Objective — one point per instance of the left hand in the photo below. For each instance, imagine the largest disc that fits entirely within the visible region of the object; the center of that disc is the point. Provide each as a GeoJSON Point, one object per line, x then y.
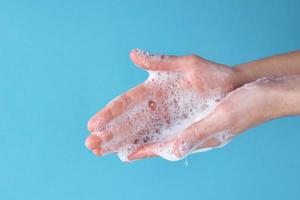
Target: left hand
{"type": "Point", "coordinates": [245, 107]}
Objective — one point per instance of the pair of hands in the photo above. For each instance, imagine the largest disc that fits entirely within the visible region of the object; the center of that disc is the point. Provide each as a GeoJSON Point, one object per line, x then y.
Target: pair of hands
{"type": "Point", "coordinates": [243, 106]}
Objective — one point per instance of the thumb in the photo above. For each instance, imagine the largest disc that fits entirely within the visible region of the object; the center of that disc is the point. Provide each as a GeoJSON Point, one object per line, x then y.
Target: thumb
{"type": "Point", "coordinates": [198, 134]}
{"type": "Point", "coordinates": [149, 61]}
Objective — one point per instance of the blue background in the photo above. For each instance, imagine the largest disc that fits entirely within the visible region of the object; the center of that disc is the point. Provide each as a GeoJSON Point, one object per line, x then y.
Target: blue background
{"type": "Point", "coordinates": [61, 61]}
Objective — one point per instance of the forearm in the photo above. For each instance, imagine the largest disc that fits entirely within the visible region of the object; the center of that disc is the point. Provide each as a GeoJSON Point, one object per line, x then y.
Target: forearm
{"type": "Point", "coordinates": [286, 92]}
{"type": "Point", "coordinates": [279, 65]}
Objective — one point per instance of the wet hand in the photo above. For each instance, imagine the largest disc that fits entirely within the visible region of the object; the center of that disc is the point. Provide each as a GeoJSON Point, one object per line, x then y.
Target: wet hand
{"type": "Point", "coordinates": [243, 108]}
{"type": "Point", "coordinates": [111, 131]}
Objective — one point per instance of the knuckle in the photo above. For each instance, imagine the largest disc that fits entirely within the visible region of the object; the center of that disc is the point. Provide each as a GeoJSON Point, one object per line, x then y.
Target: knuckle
{"type": "Point", "coordinates": [125, 100]}
{"type": "Point", "coordinates": [119, 103]}
{"type": "Point", "coordinates": [109, 112]}
{"type": "Point", "coordinates": [196, 133]}
{"type": "Point", "coordinates": [193, 58]}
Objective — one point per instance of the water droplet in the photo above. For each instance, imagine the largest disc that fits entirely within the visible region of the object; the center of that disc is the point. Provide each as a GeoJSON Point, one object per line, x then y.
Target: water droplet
{"type": "Point", "coordinates": [186, 163]}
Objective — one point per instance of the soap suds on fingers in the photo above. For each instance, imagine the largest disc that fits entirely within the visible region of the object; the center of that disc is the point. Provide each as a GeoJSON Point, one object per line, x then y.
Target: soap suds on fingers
{"type": "Point", "coordinates": [172, 105]}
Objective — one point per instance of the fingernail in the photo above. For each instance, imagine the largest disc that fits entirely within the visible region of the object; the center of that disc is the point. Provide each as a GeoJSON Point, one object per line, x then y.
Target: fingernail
{"type": "Point", "coordinates": [142, 53]}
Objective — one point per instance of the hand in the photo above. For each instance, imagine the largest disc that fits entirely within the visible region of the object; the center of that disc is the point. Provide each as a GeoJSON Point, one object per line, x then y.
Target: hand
{"type": "Point", "coordinates": [245, 107]}
{"type": "Point", "coordinates": [128, 119]}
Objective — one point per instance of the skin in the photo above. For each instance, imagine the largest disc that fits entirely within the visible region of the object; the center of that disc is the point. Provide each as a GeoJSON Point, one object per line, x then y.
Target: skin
{"type": "Point", "coordinates": [267, 99]}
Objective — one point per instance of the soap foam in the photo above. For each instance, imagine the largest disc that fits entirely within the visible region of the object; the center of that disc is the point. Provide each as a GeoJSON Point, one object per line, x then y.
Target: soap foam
{"type": "Point", "coordinates": [173, 104]}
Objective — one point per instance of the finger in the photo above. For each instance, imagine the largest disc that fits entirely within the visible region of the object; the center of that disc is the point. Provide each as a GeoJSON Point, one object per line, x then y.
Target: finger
{"type": "Point", "coordinates": [118, 106]}
{"type": "Point", "coordinates": [97, 152]}
{"type": "Point", "coordinates": [94, 143]}
{"type": "Point", "coordinates": [112, 143]}
{"type": "Point", "coordinates": [153, 62]}
{"type": "Point", "coordinates": [207, 145]}
{"type": "Point", "coordinates": [145, 151]}
{"type": "Point", "coordinates": [210, 142]}
{"type": "Point", "coordinates": [136, 123]}
{"type": "Point", "coordinates": [198, 133]}
{"type": "Point", "coordinates": [217, 140]}
{"type": "Point", "coordinates": [190, 138]}
{"type": "Point", "coordinates": [151, 150]}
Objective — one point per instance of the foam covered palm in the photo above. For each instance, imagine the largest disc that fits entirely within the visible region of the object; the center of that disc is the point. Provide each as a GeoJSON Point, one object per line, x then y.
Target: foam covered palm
{"type": "Point", "coordinates": [178, 92]}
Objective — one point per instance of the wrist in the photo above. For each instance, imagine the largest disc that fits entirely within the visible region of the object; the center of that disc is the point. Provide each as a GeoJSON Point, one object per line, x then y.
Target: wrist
{"type": "Point", "coordinates": [282, 95]}
{"type": "Point", "coordinates": [243, 75]}
{"type": "Point", "coordinates": [239, 77]}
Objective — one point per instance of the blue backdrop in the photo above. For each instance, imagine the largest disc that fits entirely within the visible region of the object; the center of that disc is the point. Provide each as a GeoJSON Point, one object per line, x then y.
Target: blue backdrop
{"type": "Point", "coordinates": [61, 61]}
